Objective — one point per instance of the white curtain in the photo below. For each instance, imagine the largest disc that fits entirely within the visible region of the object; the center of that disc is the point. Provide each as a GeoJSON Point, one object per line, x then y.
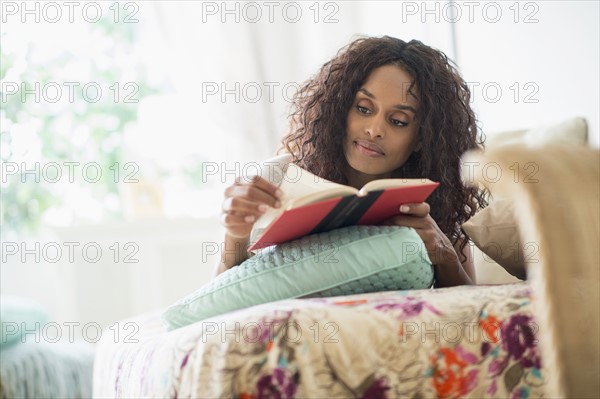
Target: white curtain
{"type": "Point", "coordinates": [189, 44]}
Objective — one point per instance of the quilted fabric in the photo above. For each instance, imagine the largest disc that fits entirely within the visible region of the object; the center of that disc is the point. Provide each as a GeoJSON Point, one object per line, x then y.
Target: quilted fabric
{"type": "Point", "coordinates": [350, 260]}
{"type": "Point", "coordinates": [459, 342]}
{"type": "Point", "coordinates": [387, 280]}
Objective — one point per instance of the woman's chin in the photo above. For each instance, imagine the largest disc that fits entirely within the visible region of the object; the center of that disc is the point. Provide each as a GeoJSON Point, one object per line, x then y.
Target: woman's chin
{"type": "Point", "coordinates": [367, 168]}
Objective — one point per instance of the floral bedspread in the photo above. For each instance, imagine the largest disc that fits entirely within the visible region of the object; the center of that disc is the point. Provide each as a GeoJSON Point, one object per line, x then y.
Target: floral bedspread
{"type": "Point", "coordinates": [478, 341]}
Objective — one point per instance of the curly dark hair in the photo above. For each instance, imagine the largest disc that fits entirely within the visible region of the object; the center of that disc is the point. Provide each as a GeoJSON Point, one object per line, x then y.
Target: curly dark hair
{"type": "Point", "coordinates": [447, 124]}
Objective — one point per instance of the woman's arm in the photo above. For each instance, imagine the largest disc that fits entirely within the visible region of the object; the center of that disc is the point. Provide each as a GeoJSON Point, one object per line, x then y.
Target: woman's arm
{"type": "Point", "coordinates": [468, 264]}
{"type": "Point", "coordinates": [232, 254]}
{"type": "Point", "coordinates": [449, 271]}
{"type": "Point", "coordinates": [453, 272]}
{"type": "Point", "coordinates": [245, 202]}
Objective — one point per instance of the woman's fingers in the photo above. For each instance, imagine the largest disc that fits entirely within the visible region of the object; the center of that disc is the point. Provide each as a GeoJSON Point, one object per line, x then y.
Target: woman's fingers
{"type": "Point", "coordinates": [439, 248]}
{"type": "Point", "coordinates": [255, 193]}
{"type": "Point", "coordinates": [269, 188]}
{"type": "Point", "coordinates": [245, 201]}
{"type": "Point", "coordinates": [408, 221]}
{"type": "Point", "coordinates": [420, 209]}
{"type": "Point", "coordinates": [238, 224]}
{"type": "Point", "coordinates": [242, 205]}
{"type": "Point", "coordinates": [229, 219]}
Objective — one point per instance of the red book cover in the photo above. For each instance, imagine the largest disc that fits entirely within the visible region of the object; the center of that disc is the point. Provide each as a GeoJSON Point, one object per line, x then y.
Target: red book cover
{"type": "Point", "coordinates": [388, 203]}
{"type": "Point", "coordinates": [370, 209]}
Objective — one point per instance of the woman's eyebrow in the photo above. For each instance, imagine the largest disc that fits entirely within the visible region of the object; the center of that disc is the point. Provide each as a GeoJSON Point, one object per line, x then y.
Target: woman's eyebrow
{"type": "Point", "coordinates": [402, 107]}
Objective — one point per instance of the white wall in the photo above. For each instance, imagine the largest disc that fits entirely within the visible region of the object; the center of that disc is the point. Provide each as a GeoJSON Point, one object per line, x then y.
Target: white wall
{"type": "Point", "coordinates": [142, 266]}
{"type": "Point", "coordinates": [558, 55]}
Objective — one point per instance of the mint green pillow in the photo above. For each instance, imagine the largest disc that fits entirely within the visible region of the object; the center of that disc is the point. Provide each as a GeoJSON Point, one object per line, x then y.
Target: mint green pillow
{"type": "Point", "coordinates": [350, 260]}
{"type": "Point", "coordinates": [19, 316]}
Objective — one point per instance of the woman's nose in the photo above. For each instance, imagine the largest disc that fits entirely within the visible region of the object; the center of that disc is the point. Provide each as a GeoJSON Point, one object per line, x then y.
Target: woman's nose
{"type": "Point", "coordinates": [376, 128]}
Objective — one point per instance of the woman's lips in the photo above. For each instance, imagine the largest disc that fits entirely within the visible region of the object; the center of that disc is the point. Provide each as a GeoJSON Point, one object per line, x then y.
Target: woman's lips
{"type": "Point", "coordinates": [368, 148]}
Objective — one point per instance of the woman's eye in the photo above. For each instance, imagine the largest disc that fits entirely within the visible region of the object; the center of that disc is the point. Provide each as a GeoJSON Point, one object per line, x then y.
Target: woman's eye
{"type": "Point", "coordinates": [363, 110]}
{"type": "Point", "coordinates": [398, 122]}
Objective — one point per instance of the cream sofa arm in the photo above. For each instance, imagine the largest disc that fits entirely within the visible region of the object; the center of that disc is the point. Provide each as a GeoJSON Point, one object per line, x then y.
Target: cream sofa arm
{"type": "Point", "coordinates": [556, 194]}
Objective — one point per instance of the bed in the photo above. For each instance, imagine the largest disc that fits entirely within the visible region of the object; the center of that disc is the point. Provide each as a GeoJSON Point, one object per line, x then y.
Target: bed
{"type": "Point", "coordinates": [433, 343]}
{"type": "Point", "coordinates": [508, 340]}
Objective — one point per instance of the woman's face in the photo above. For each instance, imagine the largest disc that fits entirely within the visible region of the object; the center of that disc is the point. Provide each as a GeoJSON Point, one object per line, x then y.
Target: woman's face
{"type": "Point", "coordinates": [381, 131]}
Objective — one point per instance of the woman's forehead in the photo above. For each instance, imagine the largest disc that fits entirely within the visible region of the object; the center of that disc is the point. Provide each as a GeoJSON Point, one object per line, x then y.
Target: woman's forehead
{"type": "Point", "coordinates": [390, 82]}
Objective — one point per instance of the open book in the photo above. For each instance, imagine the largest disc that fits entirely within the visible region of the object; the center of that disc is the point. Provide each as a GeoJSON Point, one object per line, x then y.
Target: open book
{"type": "Point", "coordinates": [312, 205]}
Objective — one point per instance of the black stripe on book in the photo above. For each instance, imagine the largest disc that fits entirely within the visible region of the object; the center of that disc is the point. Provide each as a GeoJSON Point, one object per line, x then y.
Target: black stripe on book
{"type": "Point", "coordinates": [347, 212]}
{"type": "Point", "coordinates": [336, 211]}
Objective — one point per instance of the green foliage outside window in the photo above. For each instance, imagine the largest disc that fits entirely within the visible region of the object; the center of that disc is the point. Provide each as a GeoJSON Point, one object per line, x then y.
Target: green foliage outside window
{"type": "Point", "coordinates": [79, 131]}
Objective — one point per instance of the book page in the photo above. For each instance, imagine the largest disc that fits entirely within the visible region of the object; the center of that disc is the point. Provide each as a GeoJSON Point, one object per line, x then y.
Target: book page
{"type": "Point", "coordinates": [300, 187]}
{"type": "Point", "coordinates": [383, 184]}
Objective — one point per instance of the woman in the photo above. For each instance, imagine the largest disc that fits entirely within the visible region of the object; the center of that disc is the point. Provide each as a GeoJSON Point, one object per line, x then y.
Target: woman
{"type": "Point", "coordinates": [380, 108]}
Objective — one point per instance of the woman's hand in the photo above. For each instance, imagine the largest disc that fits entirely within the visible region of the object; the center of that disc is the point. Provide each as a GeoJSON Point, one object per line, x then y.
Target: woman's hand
{"type": "Point", "coordinates": [438, 246]}
{"type": "Point", "coordinates": [245, 202]}
{"type": "Point", "coordinates": [449, 271]}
